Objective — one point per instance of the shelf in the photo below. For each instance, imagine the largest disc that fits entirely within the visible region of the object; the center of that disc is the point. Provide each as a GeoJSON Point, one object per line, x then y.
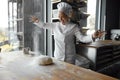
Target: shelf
{"type": "Point", "coordinates": [104, 57]}
{"type": "Point", "coordinates": [54, 14]}
{"type": "Point", "coordinates": [19, 19]}
{"type": "Point", "coordinates": [55, 19]}
{"type": "Point", "coordinates": [55, 1]}
{"type": "Point", "coordinates": [117, 47]}
{"type": "Point", "coordinates": [104, 65]}
{"type": "Point", "coordinates": [116, 52]}
{"type": "Point", "coordinates": [103, 61]}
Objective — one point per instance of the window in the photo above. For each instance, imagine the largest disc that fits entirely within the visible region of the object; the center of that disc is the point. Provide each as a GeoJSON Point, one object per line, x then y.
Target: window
{"type": "Point", "coordinates": [91, 9]}
{"type": "Point", "coordinates": [11, 25]}
{"type": "Point", "coordinates": [18, 31]}
{"type": "Point", "coordinates": [15, 15]}
{"type": "Point", "coordinates": [15, 22]}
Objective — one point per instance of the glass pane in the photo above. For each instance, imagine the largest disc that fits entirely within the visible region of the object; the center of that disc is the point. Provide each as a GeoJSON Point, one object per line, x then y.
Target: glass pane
{"type": "Point", "coordinates": [38, 33]}
{"type": "Point", "coordinates": [4, 43]}
{"type": "Point", "coordinates": [91, 9]}
{"type": "Point", "coordinates": [34, 37]}
{"type": "Point", "coordinates": [9, 38]}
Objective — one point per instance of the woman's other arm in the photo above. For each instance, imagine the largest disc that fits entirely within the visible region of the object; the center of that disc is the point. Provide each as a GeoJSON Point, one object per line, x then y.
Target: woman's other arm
{"type": "Point", "coordinates": [41, 24]}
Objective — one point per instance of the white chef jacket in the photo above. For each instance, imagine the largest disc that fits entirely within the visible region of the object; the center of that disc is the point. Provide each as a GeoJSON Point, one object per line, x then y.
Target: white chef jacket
{"type": "Point", "coordinates": [64, 39]}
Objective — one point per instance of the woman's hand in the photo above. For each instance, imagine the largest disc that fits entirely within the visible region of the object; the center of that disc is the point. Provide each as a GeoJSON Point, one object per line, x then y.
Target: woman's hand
{"type": "Point", "coordinates": [34, 19]}
{"type": "Point", "coordinates": [98, 34]}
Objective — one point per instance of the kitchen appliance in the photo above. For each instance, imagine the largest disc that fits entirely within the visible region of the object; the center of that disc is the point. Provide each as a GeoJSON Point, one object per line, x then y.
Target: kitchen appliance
{"type": "Point", "coordinates": [115, 34]}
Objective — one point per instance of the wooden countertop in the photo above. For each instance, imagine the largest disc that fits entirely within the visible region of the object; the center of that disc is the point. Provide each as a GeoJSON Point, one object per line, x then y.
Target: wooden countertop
{"type": "Point", "coordinates": [101, 43]}
{"type": "Point", "coordinates": [17, 66]}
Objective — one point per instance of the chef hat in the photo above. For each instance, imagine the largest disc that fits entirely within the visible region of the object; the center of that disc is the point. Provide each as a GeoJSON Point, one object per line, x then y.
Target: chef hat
{"type": "Point", "coordinates": [64, 7]}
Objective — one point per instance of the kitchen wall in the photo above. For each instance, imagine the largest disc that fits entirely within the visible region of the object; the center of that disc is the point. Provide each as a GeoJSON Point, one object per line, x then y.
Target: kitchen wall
{"type": "Point", "coordinates": [112, 16]}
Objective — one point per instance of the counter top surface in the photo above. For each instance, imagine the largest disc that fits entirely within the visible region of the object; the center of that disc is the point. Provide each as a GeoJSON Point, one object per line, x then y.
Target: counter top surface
{"type": "Point", "coordinates": [101, 43]}
{"type": "Point", "coordinates": [17, 66]}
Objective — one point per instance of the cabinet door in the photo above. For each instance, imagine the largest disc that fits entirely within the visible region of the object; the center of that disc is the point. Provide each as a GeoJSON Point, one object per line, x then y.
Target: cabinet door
{"type": "Point", "coordinates": [116, 53]}
{"type": "Point", "coordinates": [104, 56]}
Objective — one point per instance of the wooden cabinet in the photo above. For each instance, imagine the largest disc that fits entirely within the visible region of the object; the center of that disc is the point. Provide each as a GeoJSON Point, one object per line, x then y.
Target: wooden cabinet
{"type": "Point", "coordinates": [100, 53]}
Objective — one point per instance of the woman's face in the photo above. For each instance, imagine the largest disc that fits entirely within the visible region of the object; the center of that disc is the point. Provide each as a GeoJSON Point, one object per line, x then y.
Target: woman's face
{"type": "Point", "coordinates": [63, 17]}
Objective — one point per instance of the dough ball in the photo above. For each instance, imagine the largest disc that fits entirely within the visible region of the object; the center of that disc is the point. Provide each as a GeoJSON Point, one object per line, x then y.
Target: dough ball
{"type": "Point", "coordinates": [45, 60]}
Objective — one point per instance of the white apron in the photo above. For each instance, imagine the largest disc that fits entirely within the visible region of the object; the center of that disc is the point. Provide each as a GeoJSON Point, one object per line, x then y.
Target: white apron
{"type": "Point", "coordinates": [64, 39]}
